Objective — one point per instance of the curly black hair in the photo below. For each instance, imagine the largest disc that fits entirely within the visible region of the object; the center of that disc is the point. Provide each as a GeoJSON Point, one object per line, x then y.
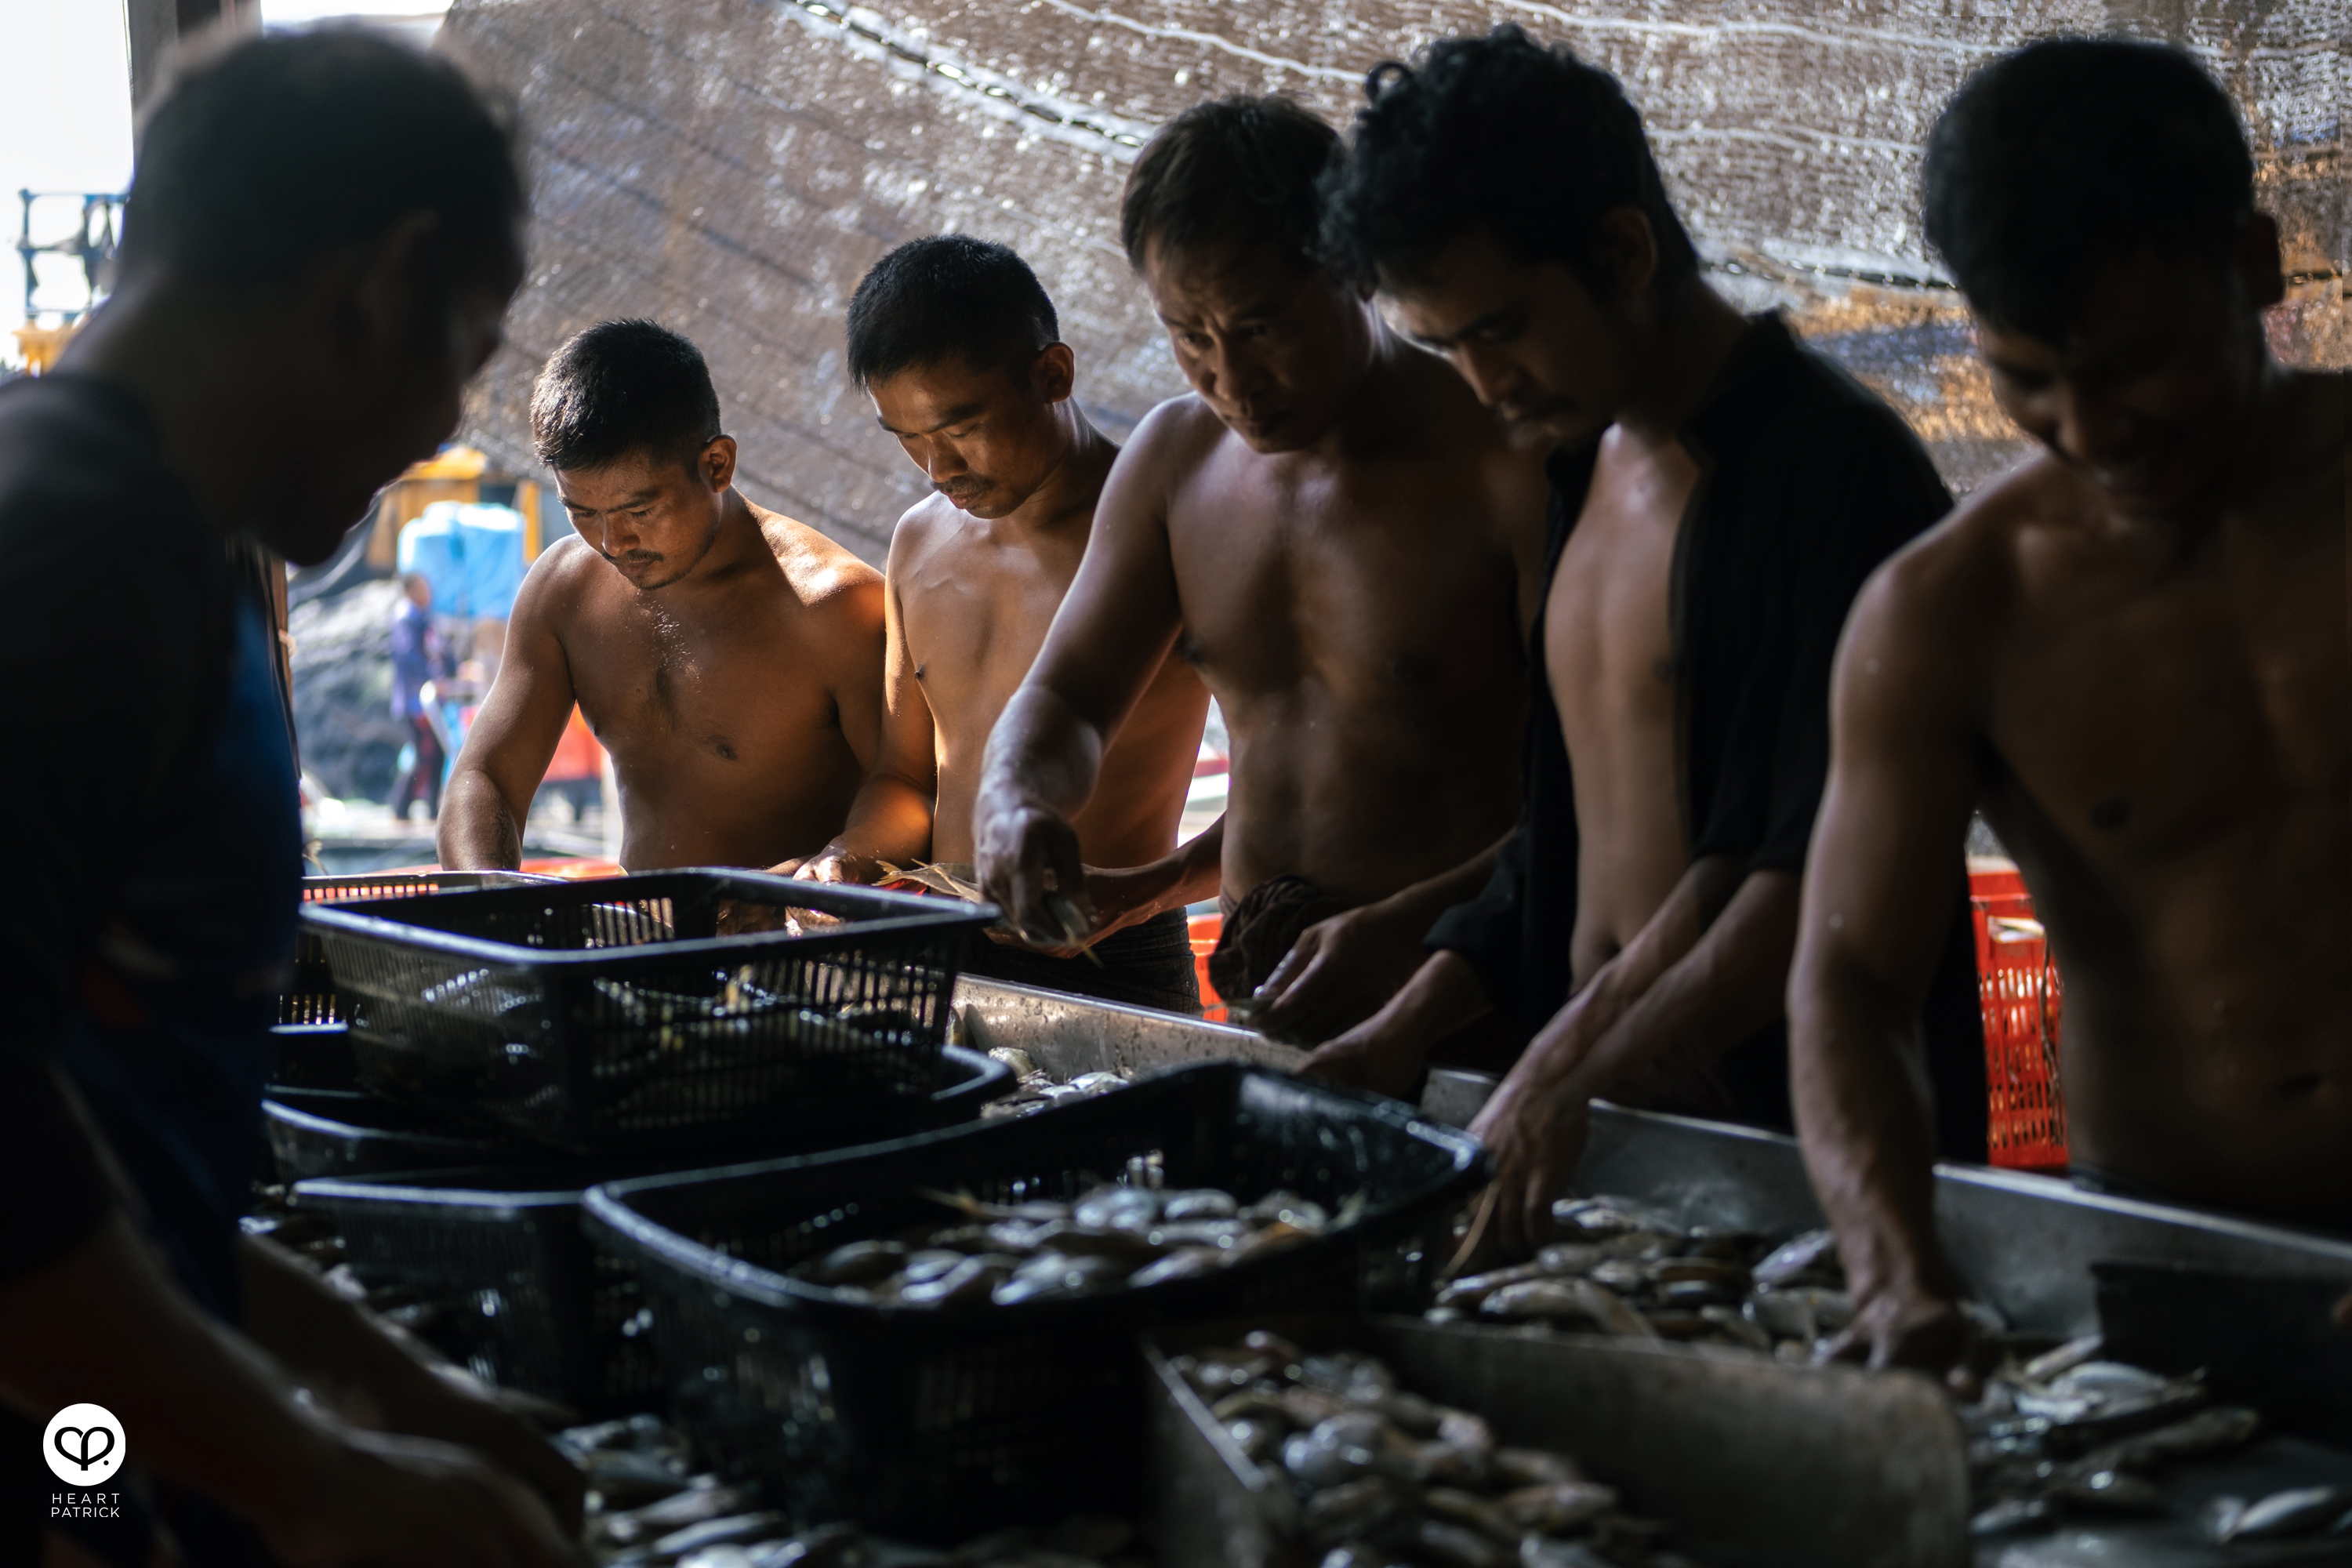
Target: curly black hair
{"type": "Point", "coordinates": [2054, 162]}
{"type": "Point", "coordinates": [1500, 134]}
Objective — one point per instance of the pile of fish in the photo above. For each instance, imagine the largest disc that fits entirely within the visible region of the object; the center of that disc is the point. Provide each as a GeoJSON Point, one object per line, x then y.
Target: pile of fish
{"type": "Point", "coordinates": [1386, 1477]}
{"type": "Point", "coordinates": [1627, 1267]}
{"type": "Point", "coordinates": [2067, 1435]}
{"type": "Point", "coordinates": [1114, 1238]}
{"type": "Point", "coordinates": [1036, 1090]}
{"type": "Point", "coordinates": [645, 1510]}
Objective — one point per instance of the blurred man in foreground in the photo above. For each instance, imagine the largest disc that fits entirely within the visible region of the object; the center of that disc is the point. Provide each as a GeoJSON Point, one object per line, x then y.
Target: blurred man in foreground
{"type": "Point", "coordinates": [2131, 655]}
{"type": "Point", "coordinates": [959, 347]}
{"type": "Point", "coordinates": [727, 658]}
{"type": "Point", "coordinates": [319, 248]}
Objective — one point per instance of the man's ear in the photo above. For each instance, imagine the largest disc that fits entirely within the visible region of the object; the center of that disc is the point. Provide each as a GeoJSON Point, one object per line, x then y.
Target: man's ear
{"type": "Point", "coordinates": [716, 462]}
{"type": "Point", "coordinates": [1053, 373]}
{"type": "Point", "coordinates": [1630, 247]}
{"type": "Point", "coordinates": [2260, 272]}
{"type": "Point", "coordinates": [386, 283]}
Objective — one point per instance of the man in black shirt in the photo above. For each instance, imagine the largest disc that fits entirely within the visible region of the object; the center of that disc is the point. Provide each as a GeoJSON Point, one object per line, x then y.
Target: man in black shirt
{"type": "Point", "coordinates": [1718, 495]}
{"type": "Point", "coordinates": [318, 251]}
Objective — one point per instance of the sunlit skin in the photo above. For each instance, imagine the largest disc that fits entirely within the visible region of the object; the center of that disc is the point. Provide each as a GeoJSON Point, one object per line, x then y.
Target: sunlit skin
{"type": "Point", "coordinates": [976, 573]}
{"type": "Point", "coordinates": [2131, 652]}
{"type": "Point", "coordinates": [728, 659]}
{"type": "Point", "coordinates": [1672, 961]}
{"type": "Point", "coordinates": [1338, 539]}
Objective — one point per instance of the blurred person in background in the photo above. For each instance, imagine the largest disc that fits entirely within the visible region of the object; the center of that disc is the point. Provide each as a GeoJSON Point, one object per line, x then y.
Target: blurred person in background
{"type": "Point", "coordinates": [320, 245]}
{"type": "Point", "coordinates": [419, 658]}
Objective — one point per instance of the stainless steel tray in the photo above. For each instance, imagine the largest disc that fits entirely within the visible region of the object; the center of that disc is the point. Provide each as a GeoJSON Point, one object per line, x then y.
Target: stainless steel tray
{"type": "Point", "coordinates": [1752, 1464]}
{"type": "Point", "coordinates": [2023, 1243]}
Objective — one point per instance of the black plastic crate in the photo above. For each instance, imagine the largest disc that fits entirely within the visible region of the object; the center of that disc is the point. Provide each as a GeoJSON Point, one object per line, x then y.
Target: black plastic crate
{"type": "Point", "coordinates": [521, 1295]}
{"type": "Point", "coordinates": [611, 1015]}
{"type": "Point", "coordinates": [516, 1291]}
{"type": "Point", "coordinates": [309, 994]}
{"type": "Point", "coordinates": [937, 1424]}
{"type": "Point", "coordinates": [313, 1056]}
{"type": "Point", "coordinates": [345, 1132]}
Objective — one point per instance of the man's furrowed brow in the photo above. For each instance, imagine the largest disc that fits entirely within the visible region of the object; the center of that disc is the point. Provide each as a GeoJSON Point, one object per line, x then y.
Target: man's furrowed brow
{"type": "Point", "coordinates": [1493, 322]}
{"type": "Point", "coordinates": [956, 415]}
{"type": "Point", "coordinates": [634, 498]}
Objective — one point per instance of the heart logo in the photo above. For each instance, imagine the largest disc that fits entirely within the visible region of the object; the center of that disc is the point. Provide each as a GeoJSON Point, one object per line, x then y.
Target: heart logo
{"type": "Point", "coordinates": [84, 1458]}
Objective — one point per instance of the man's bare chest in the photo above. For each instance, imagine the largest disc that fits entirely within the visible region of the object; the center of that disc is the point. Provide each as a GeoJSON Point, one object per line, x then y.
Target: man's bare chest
{"type": "Point", "coordinates": [744, 689]}
{"type": "Point", "coordinates": [2148, 726]}
{"type": "Point", "coordinates": [1357, 600]}
{"type": "Point", "coordinates": [973, 626]}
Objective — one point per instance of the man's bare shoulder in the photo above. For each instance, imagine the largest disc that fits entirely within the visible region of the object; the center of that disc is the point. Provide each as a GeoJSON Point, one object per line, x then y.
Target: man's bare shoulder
{"type": "Point", "coordinates": [1176, 435]}
{"type": "Point", "coordinates": [563, 580]}
{"type": "Point", "coordinates": [1958, 578]}
{"type": "Point", "coordinates": [820, 570]}
{"type": "Point", "coordinates": [928, 531]}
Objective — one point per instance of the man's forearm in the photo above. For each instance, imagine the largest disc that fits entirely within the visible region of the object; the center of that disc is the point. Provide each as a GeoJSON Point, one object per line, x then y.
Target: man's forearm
{"type": "Point", "coordinates": [889, 822]}
{"type": "Point", "coordinates": [319, 1337]}
{"type": "Point", "coordinates": [1689, 988]}
{"type": "Point", "coordinates": [105, 1325]}
{"type": "Point", "coordinates": [1042, 752]}
{"type": "Point", "coordinates": [1432, 896]}
{"type": "Point", "coordinates": [480, 831]}
{"type": "Point", "coordinates": [1864, 1123]}
{"type": "Point", "coordinates": [1196, 871]}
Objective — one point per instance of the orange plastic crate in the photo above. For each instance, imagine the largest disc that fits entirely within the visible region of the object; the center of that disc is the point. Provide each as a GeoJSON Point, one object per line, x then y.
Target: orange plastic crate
{"type": "Point", "coordinates": [2022, 998]}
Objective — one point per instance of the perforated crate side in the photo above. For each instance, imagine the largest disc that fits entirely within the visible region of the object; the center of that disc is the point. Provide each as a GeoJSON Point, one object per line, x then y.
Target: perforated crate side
{"type": "Point", "coordinates": [933, 1425]}
{"type": "Point", "coordinates": [2023, 1004]}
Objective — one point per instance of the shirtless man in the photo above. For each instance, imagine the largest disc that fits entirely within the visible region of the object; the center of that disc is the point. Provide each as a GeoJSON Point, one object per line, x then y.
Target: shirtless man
{"type": "Point", "coordinates": [2131, 654]}
{"type": "Point", "coordinates": [1330, 531]}
{"type": "Point", "coordinates": [1505, 197]}
{"type": "Point", "coordinates": [957, 344]}
{"type": "Point", "coordinates": [728, 659]}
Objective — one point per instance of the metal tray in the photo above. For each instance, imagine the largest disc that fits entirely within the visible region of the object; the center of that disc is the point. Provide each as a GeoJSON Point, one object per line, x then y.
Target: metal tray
{"type": "Point", "coordinates": [1750, 1463]}
{"type": "Point", "coordinates": [2023, 1243]}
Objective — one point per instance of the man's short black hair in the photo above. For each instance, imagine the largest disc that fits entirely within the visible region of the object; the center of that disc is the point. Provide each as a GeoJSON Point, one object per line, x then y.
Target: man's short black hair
{"type": "Point", "coordinates": [622, 387]}
{"type": "Point", "coordinates": [2054, 162]}
{"type": "Point", "coordinates": [1233, 169]}
{"type": "Point", "coordinates": [948, 295]}
{"type": "Point", "coordinates": [271, 150]}
{"type": "Point", "coordinates": [1503, 134]}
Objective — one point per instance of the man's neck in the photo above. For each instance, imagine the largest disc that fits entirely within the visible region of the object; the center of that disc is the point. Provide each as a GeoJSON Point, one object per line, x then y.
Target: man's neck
{"type": "Point", "coordinates": [1689, 339]}
{"type": "Point", "coordinates": [184, 355]}
{"type": "Point", "coordinates": [1066, 497]}
{"type": "Point", "coordinates": [1373, 403]}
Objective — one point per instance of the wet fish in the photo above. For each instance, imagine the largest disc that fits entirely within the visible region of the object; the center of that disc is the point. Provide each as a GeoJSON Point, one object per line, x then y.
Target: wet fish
{"type": "Point", "coordinates": [2211, 1431]}
{"type": "Point", "coordinates": [736, 1528]}
{"type": "Point", "coordinates": [972, 1280]}
{"type": "Point", "coordinates": [2298, 1511]}
{"type": "Point", "coordinates": [1555, 1509]}
{"type": "Point", "coordinates": [1812, 1252]}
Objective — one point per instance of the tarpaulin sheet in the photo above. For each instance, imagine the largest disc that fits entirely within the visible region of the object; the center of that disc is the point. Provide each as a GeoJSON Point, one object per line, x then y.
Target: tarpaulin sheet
{"type": "Point", "coordinates": [731, 167]}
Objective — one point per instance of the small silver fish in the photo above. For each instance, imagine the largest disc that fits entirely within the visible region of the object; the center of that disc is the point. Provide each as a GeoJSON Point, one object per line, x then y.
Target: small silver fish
{"type": "Point", "coordinates": [2298, 1511]}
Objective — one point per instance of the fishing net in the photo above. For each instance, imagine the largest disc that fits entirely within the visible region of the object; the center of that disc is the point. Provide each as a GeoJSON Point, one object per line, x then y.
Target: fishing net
{"type": "Point", "coordinates": [734, 166]}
